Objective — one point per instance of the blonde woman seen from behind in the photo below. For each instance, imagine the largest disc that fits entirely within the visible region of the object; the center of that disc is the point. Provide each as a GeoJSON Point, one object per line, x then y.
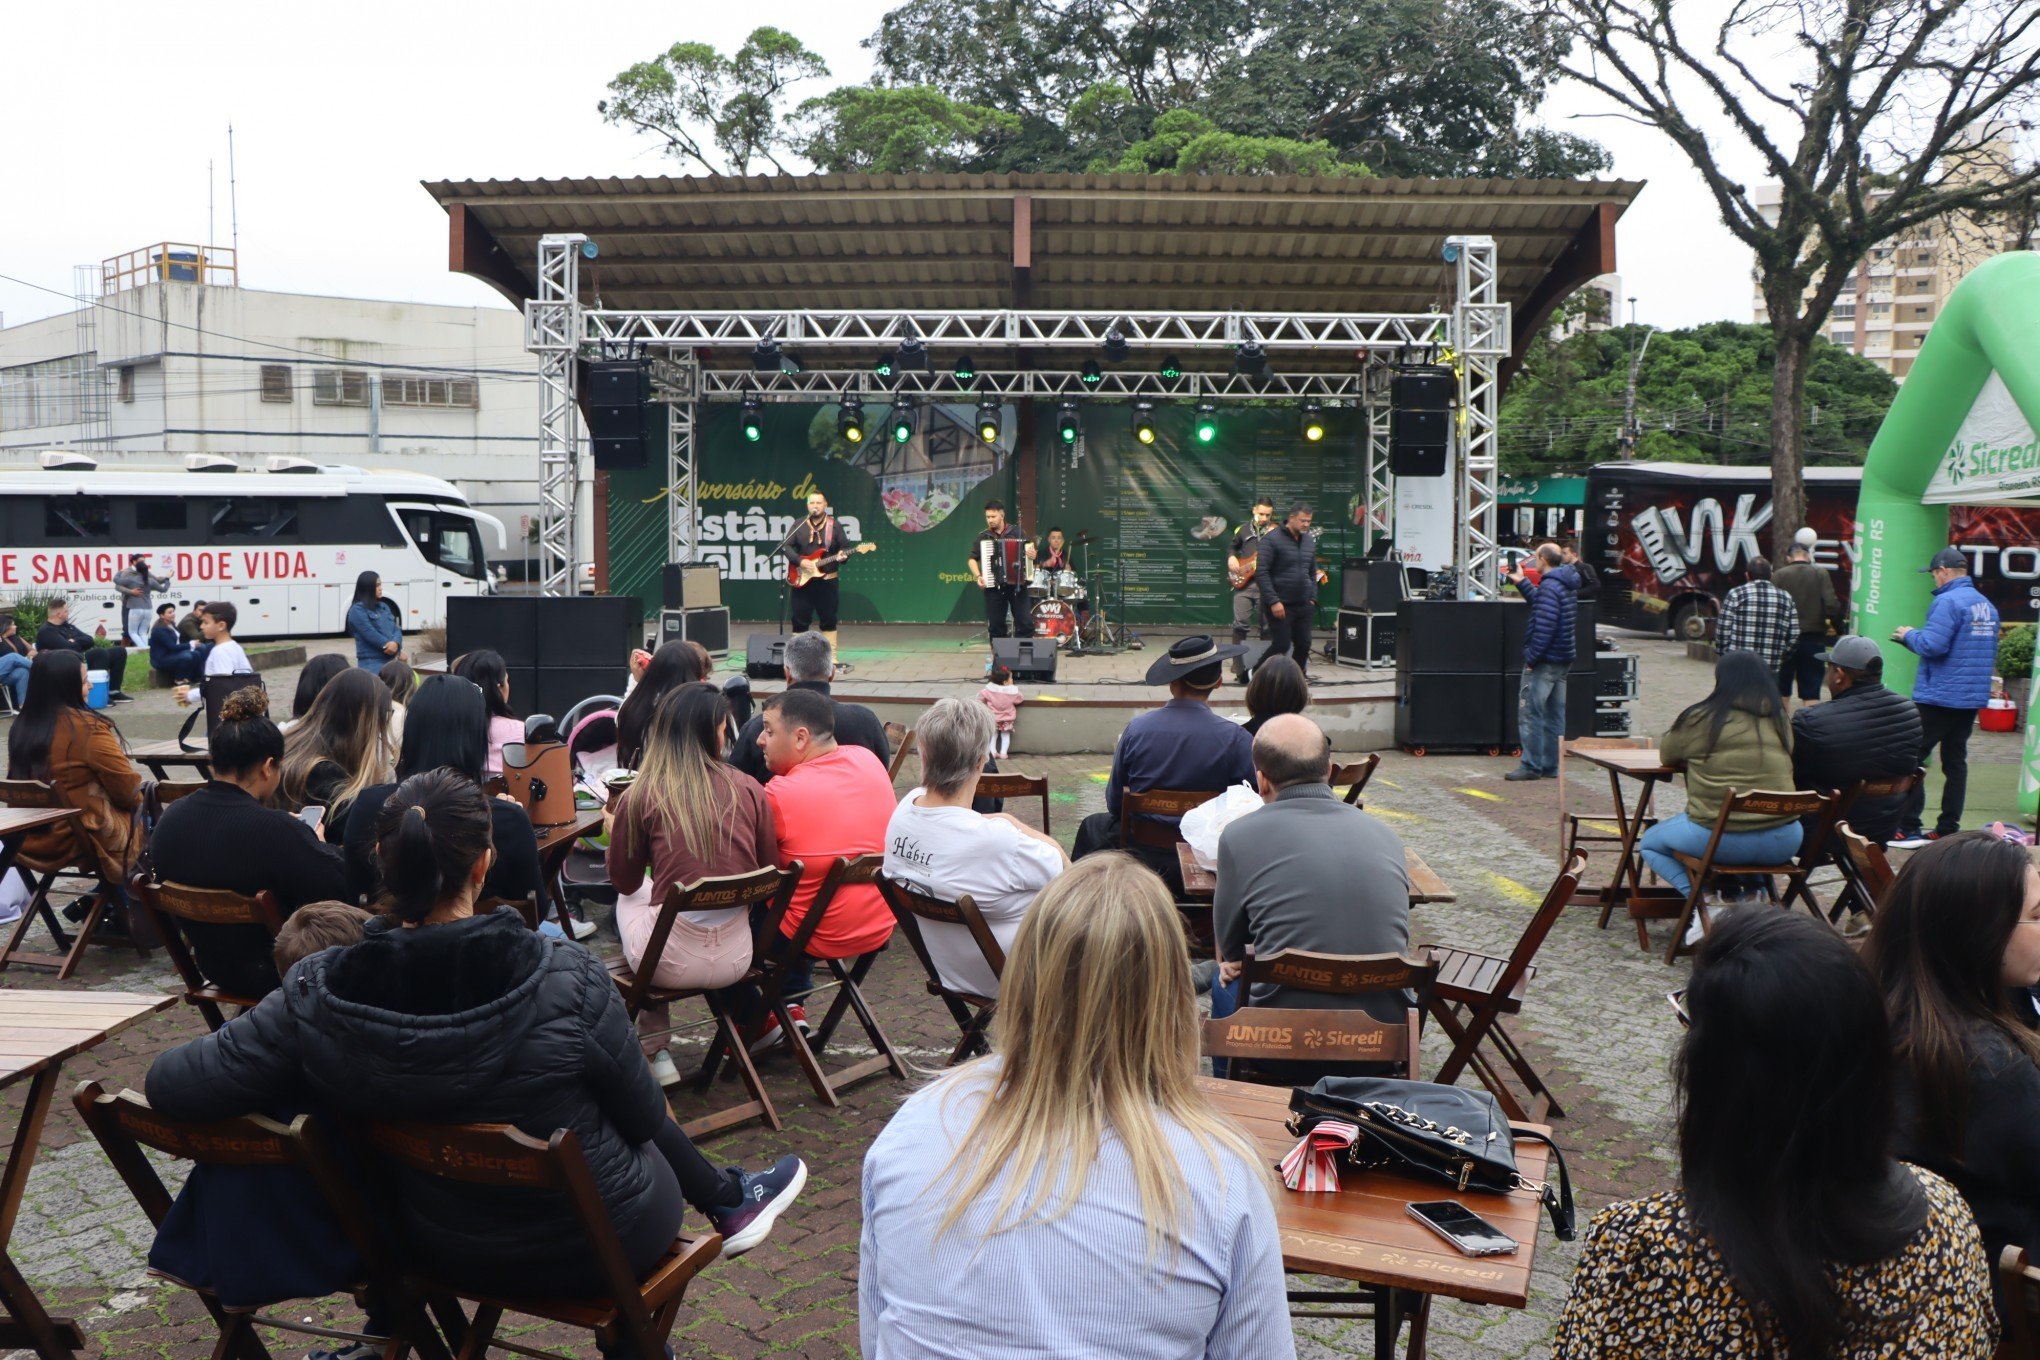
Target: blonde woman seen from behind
{"type": "Point", "coordinates": [1080, 1164]}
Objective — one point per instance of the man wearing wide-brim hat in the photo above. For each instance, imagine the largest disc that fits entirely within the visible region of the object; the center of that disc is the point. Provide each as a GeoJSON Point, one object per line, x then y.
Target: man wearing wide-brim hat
{"type": "Point", "coordinates": [1183, 745]}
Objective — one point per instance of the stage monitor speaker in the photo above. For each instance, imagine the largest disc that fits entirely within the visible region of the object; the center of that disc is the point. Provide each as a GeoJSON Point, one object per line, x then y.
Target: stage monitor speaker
{"type": "Point", "coordinates": [1386, 587]}
{"type": "Point", "coordinates": [1353, 582]}
{"type": "Point", "coordinates": [765, 656]}
{"type": "Point", "coordinates": [710, 627]}
{"type": "Point", "coordinates": [1364, 639]}
{"type": "Point", "coordinates": [693, 585]}
{"type": "Point", "coordinates": [587, 630]}
{"type": "Point", "coordinates": [506, 623]}
{"type": "Point", "coordinates": [1027, 658]}
{"type": "Point", "coordinates": [618, 393]}
{"type": "Point", "coordinates": [1580, 705]}
{"type": "Point", "coordinates": [1449, 636]}
{"type": "Point", "coordinates": [1420, 420]}
{"type": "Point", "coordinates": [1461, 711]}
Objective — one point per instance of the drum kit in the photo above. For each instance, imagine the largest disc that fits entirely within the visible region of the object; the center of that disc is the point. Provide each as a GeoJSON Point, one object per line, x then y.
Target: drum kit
{"type": "Point", "coordinates": [1056, 595]}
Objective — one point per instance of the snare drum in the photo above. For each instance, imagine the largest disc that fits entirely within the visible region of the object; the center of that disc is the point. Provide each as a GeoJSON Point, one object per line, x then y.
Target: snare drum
{"type": "Point", "coordinates": [1062, 585]}
{"type": "Point", "coordinates": [1038, 583]}
{"type": "Point", "coordinates": [1053, 618]}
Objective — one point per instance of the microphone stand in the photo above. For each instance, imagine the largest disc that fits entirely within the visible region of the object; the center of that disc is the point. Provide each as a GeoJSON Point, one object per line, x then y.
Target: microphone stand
{"type": "Point", "coordinates": [786, 582]}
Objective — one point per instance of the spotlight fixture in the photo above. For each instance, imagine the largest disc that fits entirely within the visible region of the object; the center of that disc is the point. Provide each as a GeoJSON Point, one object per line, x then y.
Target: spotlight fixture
{"type": "Point", "coordinates": [912, 355]}
{"type": "Point", "coordinates": [589, 250]}
{"type": "Point", "coordinates": [1206, 428]}
{"type": "Point", "coordinates": [850, 420]}
{"type": "Point", "coordinates": [884, 368]}
{"type": "Point", "coordinates": [1250, 360]}
{"type": "Point", "coordinates": [1144, 421]}
{"type": "Point", "coordinates": [1172, 369]}
{"type": "Point", "coordinates": [902, 419]}
{"type": "Point", "coordinates": [752, 412]}
{"type": "Point", "coordinates": [1115, 348]}
{"type": "Point", "coordinates": [1068, 424]}
{"type": "Point", "coordinates": [991, 419]}
{"type": "Point", "coordinates": [1091, 375]}
{"type": "Point", "coordinates": [1311, 422]}
{"type": "Point", "coordinates": [966, 369]}
{"type": "Point", "coordinates": [765, 355]}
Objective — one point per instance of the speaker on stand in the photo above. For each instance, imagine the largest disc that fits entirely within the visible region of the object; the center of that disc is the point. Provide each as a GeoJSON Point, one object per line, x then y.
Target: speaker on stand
{"type": "Point", "coordinates": [619, 395]}
{"type": "Point", "coordinates": [1420, 419]}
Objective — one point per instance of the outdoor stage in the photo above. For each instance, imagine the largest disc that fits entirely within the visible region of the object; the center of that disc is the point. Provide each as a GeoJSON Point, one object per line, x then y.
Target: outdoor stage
{"type": "Point", "coordinates": [898, 669]}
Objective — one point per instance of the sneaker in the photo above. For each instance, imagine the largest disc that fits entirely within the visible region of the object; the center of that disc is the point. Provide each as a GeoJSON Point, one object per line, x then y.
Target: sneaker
{"type": "Point", "coordinates": [118, 697]}
{"type": "Point", "coordinates": [1908, 840]}
{"type": "Point", "coordinates": [1522, 775]}
{"type": "Point", "coordinates": [663, 1070]}
{"type": "Point", "coordinates": [799, 1014]}
{"type": "Point", "coordinates": [767, 1038]}
{"type": "Point", "coordinates": [1696, 929]}
{"type": "Point", "coordinates": [583, 927]}
{"type": "Point", "coordinates": [1856, 926]}
{"type": "Point", "coordinates": [766, 1195]}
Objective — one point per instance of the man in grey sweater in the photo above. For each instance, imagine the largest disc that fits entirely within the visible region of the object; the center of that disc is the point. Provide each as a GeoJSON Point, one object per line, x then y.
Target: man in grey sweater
{"type": "Point", "coordinates": [1307, 871]}
{"type": "Point", "coordinates": [138, 606]}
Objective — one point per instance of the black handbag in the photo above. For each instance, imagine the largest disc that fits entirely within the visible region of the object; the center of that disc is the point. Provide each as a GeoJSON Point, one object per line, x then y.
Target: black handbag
{"type": "Point", "coordinates": [1442, 1133]}
{"type": "Point", "coordinates": [214, 691]}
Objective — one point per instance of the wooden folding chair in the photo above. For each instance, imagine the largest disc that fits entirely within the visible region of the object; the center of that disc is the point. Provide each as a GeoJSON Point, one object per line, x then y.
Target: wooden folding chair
{"type": "Point", "coordinates": [900, 749]}
{"type": "Point", "coordinates": [1137, 807]}
{"type": "Point", "coordinates": [629, 1310]}
{"type": "Point", "coordinates": [1474, 991]}
{"type": "Point", "coordinates": [1704, 867]}
{"type": "Point", "coordinates": [172, 904]}
{"type": "Point", "coordinates": [2019, 1283]}
{"type": "Point", "coordinates": [1254, 1034]}
{"type": "Point", "coordinates": [124, 1125]}
{"type": "Point", "coordinates": [531, 908]}
{"type": "Point", "coordinates": [972, 1013]}
{"type": "Point", "coordinates": [1865, 869]}
{"type": "Point", "coordinates": [769, 889]}
{"type": "Point", "coordinates": [1005, 785]}
{"type": "Point", "coordinates": [1352, 977]}
{"type": "Point", "coordinates": [1355, 776]}
{"type": "Point", "coordinates": [860, 871]}
{"type": "Point", "coordinates": [1576, 828]}
{"type": "Point", "coordinates": [1830, 851]}
{"type": "Point", "coordinates": [169, 791]}
{"type": "Point", "coordinates": [41, 876]}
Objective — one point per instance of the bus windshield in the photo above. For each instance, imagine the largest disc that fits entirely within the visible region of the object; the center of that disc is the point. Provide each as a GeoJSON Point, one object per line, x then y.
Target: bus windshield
{"type": "Point", "coordinates": [449, 541]}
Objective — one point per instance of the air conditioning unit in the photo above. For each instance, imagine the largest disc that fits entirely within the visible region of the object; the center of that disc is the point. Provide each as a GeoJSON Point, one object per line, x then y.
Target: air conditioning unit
{"type": "Point", "coordinates": [209, 462]}
{"type": "Point", "coordinates": [67, 460]}
{"type": "Point", "coordinates": [283, 462]}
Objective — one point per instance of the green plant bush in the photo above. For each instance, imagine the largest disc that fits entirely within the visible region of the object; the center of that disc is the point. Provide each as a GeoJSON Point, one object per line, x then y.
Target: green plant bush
{"type": "Point", "coordinates": [30, 610]}
{"type": "Point", "coordinates": [2015, 652]}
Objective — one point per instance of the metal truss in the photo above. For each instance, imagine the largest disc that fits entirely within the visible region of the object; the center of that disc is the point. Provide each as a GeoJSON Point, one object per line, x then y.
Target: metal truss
{"type": "Point", "coordinates": [1480, 341]}
{"type": "Point", "coordinates": [676, 385]}
{"type": "Point", "coordinates": [817, 330]}
{"type": "Point", "coordinates": [552, 328]}
{"type": "Point", "coordinates": [1378, 486]}
{"type": "Point", "coordinates": [734, 384]}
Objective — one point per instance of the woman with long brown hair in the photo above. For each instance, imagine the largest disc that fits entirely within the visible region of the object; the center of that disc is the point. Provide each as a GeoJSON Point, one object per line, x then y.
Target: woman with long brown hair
{"type": "Point", "coordinates": [340, 747]}
{"type": "Point", "coordinates": [1080, 1162]}
{"type": "Point", "coordinates": [1956, 948]}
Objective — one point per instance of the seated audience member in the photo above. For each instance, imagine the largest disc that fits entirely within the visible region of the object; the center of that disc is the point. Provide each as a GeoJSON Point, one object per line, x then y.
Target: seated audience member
{"type": "Point", "coordinates": [169, 653]}
{"type": "Point", "coordinates": [1787, 1235]}
{"type": "Point", "coordinates": [449, 727]}
{"type": "Point", "coordinates": [673, 665]}
{"type": "Point", "coordinates": [15, 655]}
{"type": "Point", "coordinates": [936, 845]}
{"type": "Point", "coordinates": [188, 627]}
{"type": "Point", "coordinates": [373, 624]}
{"type": "Point", "coordinates": [1864, 731]}
{"type": "Point", "coordinates": [810, 666]}
{"type": "Point", "coordinates": [1081, 1162]}
{"type": "Point", "coordinates": [402, 682]}
{"type": "Point", "coordinates": [1276, 686]}
{"type": "Point", "coordinates": [1181, 745]}
{"type": "Point", "coordinates": [317, 674]}
{"type": "Point", "coordinates": [225, 835]}
{"type": "Point", "coordinates": [1956, 947]}
{"type": "Point", "coordinates": [828, 801]}
{"type": "Point", "coordinates": [58, 740]}
{"type": "Point", "coordinates": [444, 1017]}
{"type": "Point", "coordinates": [1734, 740]}
{"type": "Point", "coordinates": [340, 748]}
{"type": "Point", "coordinates": [1307, 871]}
{"type": "Point", "coordinates": [688, 815]}
{"type": "Point", "coordinates": [489, 671]}
{"type": "Point", "coordinates": [59, 634]}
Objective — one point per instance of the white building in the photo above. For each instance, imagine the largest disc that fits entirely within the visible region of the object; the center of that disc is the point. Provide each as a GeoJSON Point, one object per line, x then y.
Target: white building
{"type": "Point", "coordinates": [175, 358]}
{"type": "Point", "coordinates": [1600, 306]}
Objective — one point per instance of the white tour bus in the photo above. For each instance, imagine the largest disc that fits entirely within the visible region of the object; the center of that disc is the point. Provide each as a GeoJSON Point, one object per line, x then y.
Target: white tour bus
{"type": "Point", "coordinates": [283, 545]}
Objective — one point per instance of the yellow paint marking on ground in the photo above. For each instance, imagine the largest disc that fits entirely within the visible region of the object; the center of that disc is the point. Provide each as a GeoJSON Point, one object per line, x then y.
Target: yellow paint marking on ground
{"type": "Point", "coordinates": [1385, 783]}
{"type": "Point", "coordinates": [1509, 889]}
{"type": "Point", "coordinates": [1482, 793]}
{"type": "Point", "coordinates": [1393, 814]}
{"type": "Point", "coordinates": [1101, 776]}
{"type": "Point", "coordinates": [1608, 827]}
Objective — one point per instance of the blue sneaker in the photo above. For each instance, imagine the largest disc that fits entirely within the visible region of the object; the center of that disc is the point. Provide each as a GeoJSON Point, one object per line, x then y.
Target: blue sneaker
{"type": "Point", "coordinates": [766, 1195]}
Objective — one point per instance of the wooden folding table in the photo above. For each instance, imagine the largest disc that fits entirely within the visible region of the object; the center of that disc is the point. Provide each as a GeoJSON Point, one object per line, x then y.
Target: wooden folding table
{"type": "Point", "coordinates": [1648, 769]}
{"type": "Point", "coordinates": [158, 756]}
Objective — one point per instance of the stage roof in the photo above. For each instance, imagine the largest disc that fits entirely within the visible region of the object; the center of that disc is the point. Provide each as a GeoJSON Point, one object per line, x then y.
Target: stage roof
{"type": "Point", "coordinates": [1049, 242]}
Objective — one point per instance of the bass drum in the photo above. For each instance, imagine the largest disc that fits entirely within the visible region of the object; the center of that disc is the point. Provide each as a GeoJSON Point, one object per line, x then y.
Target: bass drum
{"type": "Point", "coordinates": [1053, 618]}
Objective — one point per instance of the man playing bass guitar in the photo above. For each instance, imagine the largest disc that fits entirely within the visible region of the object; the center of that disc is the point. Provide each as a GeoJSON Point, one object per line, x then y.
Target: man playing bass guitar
{"type": "Point", "coordinates": [1241, 563]}
{"type": "Point", "coordinates": [814, 550]}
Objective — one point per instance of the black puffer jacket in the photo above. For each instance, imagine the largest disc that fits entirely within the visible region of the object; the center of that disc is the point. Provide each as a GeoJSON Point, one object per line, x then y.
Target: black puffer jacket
{"type": "Point", "coordinates": [476, 1021]}
{"type": "Point", "coordinates": [1288, 567]}
{"type": "Point", "coordinates": [1866, 732]}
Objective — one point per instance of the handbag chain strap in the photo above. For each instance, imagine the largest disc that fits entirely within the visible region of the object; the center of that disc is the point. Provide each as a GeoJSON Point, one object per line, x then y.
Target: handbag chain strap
{"type": "Point", "coordinates": [1396, 1114]}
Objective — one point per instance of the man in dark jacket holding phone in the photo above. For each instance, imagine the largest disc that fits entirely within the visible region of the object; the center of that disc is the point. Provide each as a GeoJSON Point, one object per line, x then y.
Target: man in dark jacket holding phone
{"type": "Point", "coordinates": [1548, 649]}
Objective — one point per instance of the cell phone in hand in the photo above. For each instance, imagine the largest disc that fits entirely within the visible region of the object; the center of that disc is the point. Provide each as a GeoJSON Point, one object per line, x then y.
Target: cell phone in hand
{"type": "Point", "coordinates": [1462, 1227]}
{"type": "Point", "coordinates": [312, 816]}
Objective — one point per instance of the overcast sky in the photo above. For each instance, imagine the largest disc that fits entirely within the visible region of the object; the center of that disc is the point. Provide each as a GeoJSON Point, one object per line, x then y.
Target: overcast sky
{"type": "Point", "coordinates": [112, 113]}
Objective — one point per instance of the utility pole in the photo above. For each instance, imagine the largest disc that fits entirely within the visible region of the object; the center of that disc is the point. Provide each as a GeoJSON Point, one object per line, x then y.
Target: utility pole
{"type": "Point", "coordinates": [1626, 444]}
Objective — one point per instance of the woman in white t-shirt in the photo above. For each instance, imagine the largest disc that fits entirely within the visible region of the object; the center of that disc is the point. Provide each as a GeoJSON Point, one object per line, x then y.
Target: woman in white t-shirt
{"type": "Point", "coordinates": [936, 845]}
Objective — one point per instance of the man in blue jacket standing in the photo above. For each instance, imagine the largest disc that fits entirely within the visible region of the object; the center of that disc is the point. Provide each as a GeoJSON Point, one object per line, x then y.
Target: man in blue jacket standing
{"type": "Point", "coordinates": [1957, 651]}
{"type": "Point", "coordinates": [1548, 649]}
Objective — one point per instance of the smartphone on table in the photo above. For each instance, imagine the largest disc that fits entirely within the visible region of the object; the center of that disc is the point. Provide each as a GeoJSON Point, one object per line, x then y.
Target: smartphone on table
{"type": "Point", "coordinates": [1462, 1227]}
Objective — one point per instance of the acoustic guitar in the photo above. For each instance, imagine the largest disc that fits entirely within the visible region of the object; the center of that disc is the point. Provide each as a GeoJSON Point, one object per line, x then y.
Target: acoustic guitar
{"type": "Point", "coordinates": [815, 564]}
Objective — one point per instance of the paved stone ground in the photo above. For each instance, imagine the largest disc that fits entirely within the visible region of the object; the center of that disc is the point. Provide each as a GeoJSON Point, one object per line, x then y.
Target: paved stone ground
{"type": "Point", "coordinates": [1596, 1024]}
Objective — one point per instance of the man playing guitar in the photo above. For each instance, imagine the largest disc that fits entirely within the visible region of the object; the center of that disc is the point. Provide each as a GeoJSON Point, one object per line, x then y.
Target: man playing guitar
{"type": "Point", "coordinates": [1241, 563]}
{"type": "Point", "coordinates": [1001, 572]}
{"type": "Point", "coordinates": [813, 550]}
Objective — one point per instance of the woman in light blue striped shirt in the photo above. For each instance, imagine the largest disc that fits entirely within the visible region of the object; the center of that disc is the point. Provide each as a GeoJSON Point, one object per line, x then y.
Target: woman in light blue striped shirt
{"type": "Point", "coordinates": [1076, 1193]}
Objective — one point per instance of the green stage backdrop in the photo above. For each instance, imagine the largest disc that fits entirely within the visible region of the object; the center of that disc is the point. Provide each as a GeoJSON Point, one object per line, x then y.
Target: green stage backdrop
{"type": "Point", "coordinates": [1161, 515]}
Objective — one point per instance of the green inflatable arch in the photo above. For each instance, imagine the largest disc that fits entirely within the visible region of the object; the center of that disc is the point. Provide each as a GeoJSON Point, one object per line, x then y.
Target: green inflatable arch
{"type": "Point", "coordinates": [1940, 445]}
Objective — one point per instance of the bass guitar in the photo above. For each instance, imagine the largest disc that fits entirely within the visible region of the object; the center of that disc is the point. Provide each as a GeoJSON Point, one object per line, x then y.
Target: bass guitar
{"type": "Point", "coordinates": [817, 563]}
{"type": "Point", "coordinates": [1244, 577]}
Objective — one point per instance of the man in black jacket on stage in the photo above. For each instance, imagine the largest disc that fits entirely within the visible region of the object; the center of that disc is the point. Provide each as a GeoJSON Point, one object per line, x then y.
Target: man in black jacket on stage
{"type": "Point", "coordinates": [1864, 732]}
{"type": "Point", "coordinates": [1287, 577]}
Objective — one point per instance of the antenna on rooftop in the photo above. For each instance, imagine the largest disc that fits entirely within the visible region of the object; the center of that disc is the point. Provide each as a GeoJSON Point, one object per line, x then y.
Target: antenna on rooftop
{"type": "Point", "coordinates": [233, 203]}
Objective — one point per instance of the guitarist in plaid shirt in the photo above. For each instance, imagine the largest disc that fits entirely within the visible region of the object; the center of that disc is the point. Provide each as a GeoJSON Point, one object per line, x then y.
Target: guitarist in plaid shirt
{"type": "Point", "coordinates": [1758, 617]}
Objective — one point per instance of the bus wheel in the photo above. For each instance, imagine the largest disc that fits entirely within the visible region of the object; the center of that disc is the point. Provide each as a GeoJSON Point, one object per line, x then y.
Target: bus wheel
{"type": "Point", "coordinates": [1689, 623]}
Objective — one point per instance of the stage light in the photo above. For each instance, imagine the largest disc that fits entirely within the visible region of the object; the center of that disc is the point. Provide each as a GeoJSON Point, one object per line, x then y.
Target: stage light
{"type": "Point", "coordinates": [1250, 360]}
{"type": "Point", "coordinates": [850, 420]}
{"type": "Point", "coordinates": [991, 419]}
{"type": "Point", "coordinates": [1068, 424]}
{"type": "Point", "coordinates": [765, 355]}
{"type": "Point", "coordinates": [912, 355]}
{"type": "Point", "coordinates": [1311, 423]}
{"type": "Point", "coordinates": [589, 250]}
{"type": "Point", "coordinates": [1206, 428]}
{"type": "Point", "coordinates": [1091, 375]}
{"type": "Point", "coordinates": [1172, 369]}
{"type": "Point", "coordinates": [1144, 421]}
{"type": "Point", "coordinates": [902, 419]}
{"type": "Point", "coordinates": [966, 369]}
{"type": "Point", "coordinates": [1115, 348]}
{"type": "Point", "coordinates": [884, 367]}
{"type": "Point", "coordinates": [752, 413]}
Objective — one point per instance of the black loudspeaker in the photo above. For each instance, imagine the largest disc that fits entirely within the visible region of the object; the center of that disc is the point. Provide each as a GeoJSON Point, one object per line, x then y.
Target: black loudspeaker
{"type": "Point", "coordinates": [709, 627]}
{"type": "Point", "coordinates": [1580, 706]}
{"type": "Point", "coordinates": [1583, 640]}
{"type": "Point", "coordinates": [1385, 586]}
{"type": "Point", "coordinates": [693, 585]}
{"type": "Point", "coordinates": [1353, 583]}
{"type": "Point", "coordinates": [587, 630]}
{"type": "Point", "coordinates": [559, 688]}
{"type": "Point", "coordinates": [765, 656]}
{"type": "Point", "coordinates": [1027, 658]}
{"type": "Point", "coordinates": [506, 623]}
{"type": "Point", "coordinates": [1449, 636]}
{"type": "Point", "coordinates": [618, 392]}
{"type": "Point", "coordinates": [1450, 710]}
{"type": "Point", "coordinates": [1420, 420]}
